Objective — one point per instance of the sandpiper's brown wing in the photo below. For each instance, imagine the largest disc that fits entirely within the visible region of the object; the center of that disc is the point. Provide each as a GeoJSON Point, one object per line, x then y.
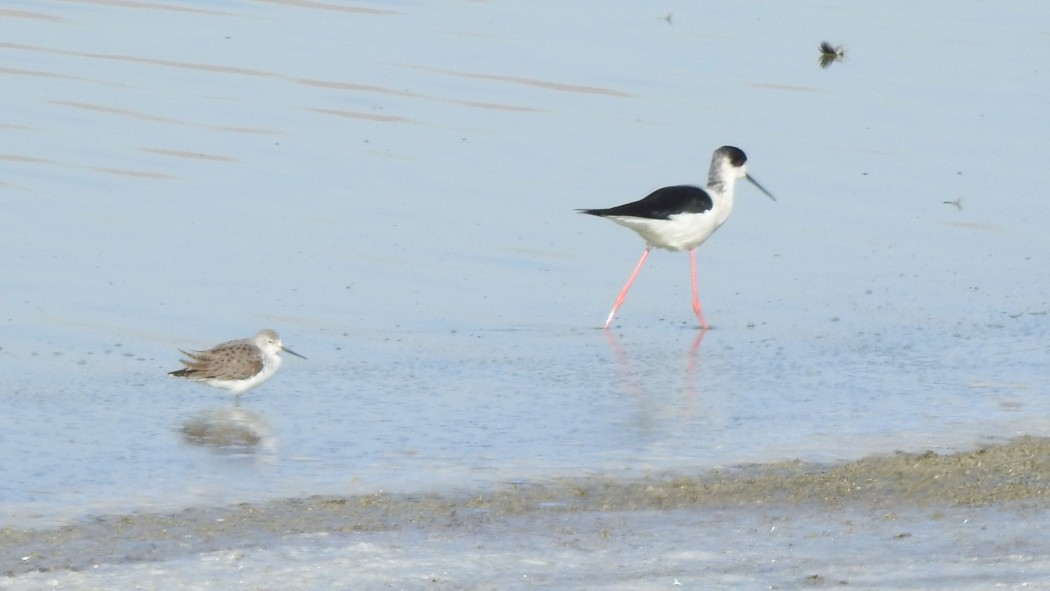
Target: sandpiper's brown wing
{"type": "Point", "coordinates": [235, 360]}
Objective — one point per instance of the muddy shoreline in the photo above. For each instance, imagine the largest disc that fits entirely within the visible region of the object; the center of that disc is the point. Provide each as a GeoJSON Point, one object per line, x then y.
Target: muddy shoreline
{"type": "Point", "coordinates": [1015, 474]}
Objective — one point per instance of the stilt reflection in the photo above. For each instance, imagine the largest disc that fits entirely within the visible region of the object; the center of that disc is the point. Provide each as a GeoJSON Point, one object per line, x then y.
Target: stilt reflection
{"type": "Point", "coordinates": [635, 383]}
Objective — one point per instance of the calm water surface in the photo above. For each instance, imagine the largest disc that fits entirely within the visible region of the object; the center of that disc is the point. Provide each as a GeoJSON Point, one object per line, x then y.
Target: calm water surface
{"type": "Point", "coordinates": [391, 186]}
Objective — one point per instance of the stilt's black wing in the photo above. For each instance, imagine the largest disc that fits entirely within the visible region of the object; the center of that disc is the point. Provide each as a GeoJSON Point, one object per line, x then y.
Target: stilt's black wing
{"type": "Point", "coordinates": [661, 204]}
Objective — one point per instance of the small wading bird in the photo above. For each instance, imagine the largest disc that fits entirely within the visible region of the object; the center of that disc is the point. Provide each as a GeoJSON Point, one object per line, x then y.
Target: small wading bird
{"type": "Point", "coordinates": [682, 217]}
{"type": "Point", "coordinates": [238, 365]}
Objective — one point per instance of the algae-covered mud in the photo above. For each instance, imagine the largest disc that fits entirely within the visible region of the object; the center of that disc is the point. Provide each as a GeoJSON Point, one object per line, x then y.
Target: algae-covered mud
{"type": "Point", "coordinates": [910, 494]}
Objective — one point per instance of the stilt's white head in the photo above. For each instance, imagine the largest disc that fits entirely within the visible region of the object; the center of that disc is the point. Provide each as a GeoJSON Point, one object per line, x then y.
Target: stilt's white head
{"type": "Point", "coordinates": [727, 165]}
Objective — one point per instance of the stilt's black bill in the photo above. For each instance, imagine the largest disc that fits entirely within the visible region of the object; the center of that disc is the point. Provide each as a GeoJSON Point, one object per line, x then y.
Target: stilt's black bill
{"type": "Point", "coordinates": [760, 187]}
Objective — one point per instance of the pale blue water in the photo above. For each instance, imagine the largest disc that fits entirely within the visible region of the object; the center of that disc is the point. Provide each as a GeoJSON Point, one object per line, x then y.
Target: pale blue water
{"type": "Point", "coordinates": [394, 194]}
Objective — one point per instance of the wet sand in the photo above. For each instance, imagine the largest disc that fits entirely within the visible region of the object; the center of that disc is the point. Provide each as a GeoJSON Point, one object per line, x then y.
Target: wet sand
{"type": "Point", "coordinates": [1014, 476]}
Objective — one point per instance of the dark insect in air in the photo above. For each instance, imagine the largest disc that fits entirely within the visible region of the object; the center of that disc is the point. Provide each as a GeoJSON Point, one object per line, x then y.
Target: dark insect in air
{"type": "Point", "coordinates": [830, 54]}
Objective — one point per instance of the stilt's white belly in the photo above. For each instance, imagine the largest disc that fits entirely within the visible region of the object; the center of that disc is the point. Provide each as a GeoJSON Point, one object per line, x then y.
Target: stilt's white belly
{"type": "Point", "coordinates": [681, 231]}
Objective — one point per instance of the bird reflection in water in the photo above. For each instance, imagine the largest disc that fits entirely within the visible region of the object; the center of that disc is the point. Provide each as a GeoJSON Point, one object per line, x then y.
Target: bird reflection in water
{"type": "Point", "coordinates": [629, 377]}
{"type": "Point", "coordinates": [228, 429]}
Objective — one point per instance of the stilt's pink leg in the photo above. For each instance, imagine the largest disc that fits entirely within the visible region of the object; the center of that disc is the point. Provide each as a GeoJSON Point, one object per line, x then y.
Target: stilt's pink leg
{"type": "Point", "coordinates": [696, 293]}
{"type": "Point", "coordinates": [623, 292]}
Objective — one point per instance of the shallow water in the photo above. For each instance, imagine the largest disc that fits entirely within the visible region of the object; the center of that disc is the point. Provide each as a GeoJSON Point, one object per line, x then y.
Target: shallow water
{"type": "Point", "coordinates": [391, 186]}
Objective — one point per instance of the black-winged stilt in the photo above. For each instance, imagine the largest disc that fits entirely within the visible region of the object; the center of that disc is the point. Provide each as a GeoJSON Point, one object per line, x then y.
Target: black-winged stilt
{"type": "Point", "coordinates": [682, 217]}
